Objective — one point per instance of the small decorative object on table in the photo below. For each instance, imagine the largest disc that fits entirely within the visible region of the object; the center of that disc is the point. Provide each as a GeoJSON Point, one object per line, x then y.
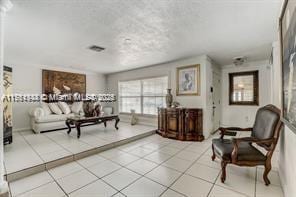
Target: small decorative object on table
{"type": "Point", "coordinates": [91, 109]}
{"type": "Point", "coordinates": [97, 110]}
{"type": "Point", "coordinates": [88, 108]}
{"type": "Point", "coordinates": [169, 98]}
{"type": "Point", "coordinates": [134, 119]}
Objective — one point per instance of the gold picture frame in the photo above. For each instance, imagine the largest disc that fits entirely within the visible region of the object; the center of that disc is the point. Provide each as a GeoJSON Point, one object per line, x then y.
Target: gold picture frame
{"type": "Point", "coordinates": [188, 80]}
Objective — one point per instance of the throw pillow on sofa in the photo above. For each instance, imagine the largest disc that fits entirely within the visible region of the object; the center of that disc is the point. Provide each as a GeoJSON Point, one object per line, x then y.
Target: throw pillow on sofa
{"type": "Point", "coordinates": [76, 107]}
{"type": "Point", "coordinates": [55, 108]}
{"type": "Point", "coordinates": [64, 107]}
{"type": "Point", "coordinates": [45, 108]}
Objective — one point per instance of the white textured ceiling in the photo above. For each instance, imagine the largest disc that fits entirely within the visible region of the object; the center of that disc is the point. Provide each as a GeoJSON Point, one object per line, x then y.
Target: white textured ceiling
{"type": "Point", "coordinates": [58, 32]}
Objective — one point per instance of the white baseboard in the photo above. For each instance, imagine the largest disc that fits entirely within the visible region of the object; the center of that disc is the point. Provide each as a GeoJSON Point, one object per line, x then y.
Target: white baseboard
{"type": "Point", "coordinates": [21, 129]}
{"type": "Point", "coordinates": [146, 123]}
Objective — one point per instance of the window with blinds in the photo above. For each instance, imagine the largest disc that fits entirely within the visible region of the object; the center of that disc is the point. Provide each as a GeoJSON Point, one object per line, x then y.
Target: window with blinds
{"type": "Point", "coordinates": [144, 96]}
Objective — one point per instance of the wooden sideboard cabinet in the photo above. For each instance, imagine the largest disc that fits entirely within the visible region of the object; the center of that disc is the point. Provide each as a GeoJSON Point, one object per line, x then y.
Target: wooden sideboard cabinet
{"type": "Point", "coordinates": [180, 123]}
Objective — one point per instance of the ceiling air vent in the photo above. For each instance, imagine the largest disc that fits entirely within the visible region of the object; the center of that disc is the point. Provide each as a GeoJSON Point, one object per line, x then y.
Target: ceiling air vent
{"type": "Point", "coordinates": [96, 48]}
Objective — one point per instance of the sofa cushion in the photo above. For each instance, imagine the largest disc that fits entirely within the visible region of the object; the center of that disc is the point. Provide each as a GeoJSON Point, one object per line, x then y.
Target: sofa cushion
{"type": "Point", "coordinates": [37, 112]}
{"type": "Point", "coordinates": [77, 107]}
{"type": "Point", "coordinates": [53, 118]}
{"type": "Point", "coordinates": [45, 108]}
{"type": "Point", "coordinates": [55, 108]}
{"type": "Point", "coordinates": [64, 107]}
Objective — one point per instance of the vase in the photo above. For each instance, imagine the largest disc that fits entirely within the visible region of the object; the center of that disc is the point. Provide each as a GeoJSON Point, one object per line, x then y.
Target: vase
{"type": "Point", "coordinates": [98, 110]}
{"type": "Point", "coordinates": [88, 108]}
{"type": "Point", "coordinates": [134, 119]}
{"type": "Point", "coordinates": [169, 98]}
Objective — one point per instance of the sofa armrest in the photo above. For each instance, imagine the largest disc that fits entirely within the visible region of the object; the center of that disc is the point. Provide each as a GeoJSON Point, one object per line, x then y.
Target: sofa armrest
{"type": "Point", "coordinates": [36, 112]}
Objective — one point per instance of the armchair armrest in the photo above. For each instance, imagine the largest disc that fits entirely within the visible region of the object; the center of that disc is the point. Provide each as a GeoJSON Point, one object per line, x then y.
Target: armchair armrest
{"type": "Point", "coordinates": [236, 142]}
{"type": "Point", "coordinates": [224, 129]}
{"type": "Point", "coordinates": [36, 112]}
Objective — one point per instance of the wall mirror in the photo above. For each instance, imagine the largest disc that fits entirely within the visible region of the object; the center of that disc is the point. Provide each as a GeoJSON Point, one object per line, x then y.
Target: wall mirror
{"type": "Point", "coordinates": [244, 88]}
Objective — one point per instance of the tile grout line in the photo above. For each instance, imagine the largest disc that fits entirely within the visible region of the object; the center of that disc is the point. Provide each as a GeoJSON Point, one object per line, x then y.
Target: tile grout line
{"type": "Point", "coordinates": [92, 147]}
{"type": "Point", "coordinates": [55, 142]}
{"type": "Point", "coordinates": [58, 184]}
{"type": "Point", "coordinates": [46, 170]}
{"type": "Point", "coordinates": [112, 145]}
{"type": "Point", "coordinates": [185, 171]}
{"type": "Point", "coordinates": [101, 178]}
{"type": "Point", "coordinates": [158, 164]}
{"type": "Point", "coordinates": [98, 178]}
{"type": "Point", "coordinates": [41, 172]}
{"type": "Point", "coordinates": [231, 189]}
{"type": "Point", "coordinates": [214, 183]}
{"type": "Point", "coordinates": [142, 175]}
{"type": "Point", "coordinates": [123, 166]}
{"type": "Point", "coordinates": [225, 187]}
{"type": "Point", "coordinates": [55, 180]}
{"type": "Point", "coordinates": [67, 149]}
{"type": "Point", "coordinates": [33, 188]}
{"type": "Point", "coordinates": [33, 149]}
{"type": "Point", "coordinates": [61, 145]}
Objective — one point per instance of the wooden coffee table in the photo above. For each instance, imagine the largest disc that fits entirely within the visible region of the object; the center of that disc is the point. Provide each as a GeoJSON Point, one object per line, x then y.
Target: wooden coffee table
{"type": "Point", "coordinates": [85, 121]}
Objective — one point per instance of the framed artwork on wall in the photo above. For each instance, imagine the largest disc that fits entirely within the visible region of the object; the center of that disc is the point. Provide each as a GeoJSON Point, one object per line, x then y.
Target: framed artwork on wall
{"type": "Point", "coordinates": [288, 57]}
{"type": "Point", "coordinates": [188, 80]}
{"type": "Point", "coordinates": [63, 83]}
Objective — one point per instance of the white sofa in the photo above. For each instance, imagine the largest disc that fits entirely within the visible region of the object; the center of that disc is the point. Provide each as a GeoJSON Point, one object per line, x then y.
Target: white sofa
{"type": "Point", "coordinates": [40, 121]}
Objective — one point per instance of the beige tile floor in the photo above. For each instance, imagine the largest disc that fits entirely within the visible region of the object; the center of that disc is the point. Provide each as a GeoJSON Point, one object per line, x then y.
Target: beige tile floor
{"type": "Point", "coordinates": [29, 149]}
{"type": "Point", "coordinates": [152, 166]}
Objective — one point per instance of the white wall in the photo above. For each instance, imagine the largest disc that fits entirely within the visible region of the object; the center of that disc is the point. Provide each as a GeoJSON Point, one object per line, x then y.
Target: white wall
{"type": "Point", "coordinates": [287, 162]}
{"type": "Point", "coordinates": [239, 115]}
{"type": "Point", "coordinates": [169, 69]}
{"type": "Point", "coordinates": [27, 79]}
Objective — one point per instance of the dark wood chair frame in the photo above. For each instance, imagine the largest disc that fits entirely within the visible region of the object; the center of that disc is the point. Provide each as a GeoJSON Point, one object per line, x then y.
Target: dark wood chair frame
{"type": "Point", "coordinates": [268, 144]}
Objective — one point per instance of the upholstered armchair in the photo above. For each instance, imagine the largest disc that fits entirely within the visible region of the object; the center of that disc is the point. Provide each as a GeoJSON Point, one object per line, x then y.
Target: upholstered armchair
{"type": "Point", "coordinates": [241, 151]}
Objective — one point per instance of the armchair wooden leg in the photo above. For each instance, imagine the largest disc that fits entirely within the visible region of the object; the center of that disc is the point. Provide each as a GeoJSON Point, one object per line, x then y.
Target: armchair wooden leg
{"type": "Point", "coordinates": [214, 155]}
{"type": "Point", "coordinates": [223, 175]}
{"type": "Point", "coordinates": [266, 171]}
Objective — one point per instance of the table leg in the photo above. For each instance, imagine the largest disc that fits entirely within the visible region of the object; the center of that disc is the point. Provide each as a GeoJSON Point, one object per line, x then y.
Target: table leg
{"type": "Point", "coordinates": [69, 126]}
{"type": "Point", "coordinates": [117, 121]}
{"type": "Point", "coordinates": [105, 123]}
{"type": "Point", "coordinates": [78, 129]}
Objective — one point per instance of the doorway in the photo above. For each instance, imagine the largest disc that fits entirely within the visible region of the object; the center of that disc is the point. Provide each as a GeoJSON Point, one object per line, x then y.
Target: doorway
{"type": "Point", "coordinates": [216, 95]}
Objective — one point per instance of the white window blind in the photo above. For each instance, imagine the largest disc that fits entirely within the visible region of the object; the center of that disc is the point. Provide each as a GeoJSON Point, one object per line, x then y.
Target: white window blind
{"type": "Point", "coordinates": [144, 96]}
